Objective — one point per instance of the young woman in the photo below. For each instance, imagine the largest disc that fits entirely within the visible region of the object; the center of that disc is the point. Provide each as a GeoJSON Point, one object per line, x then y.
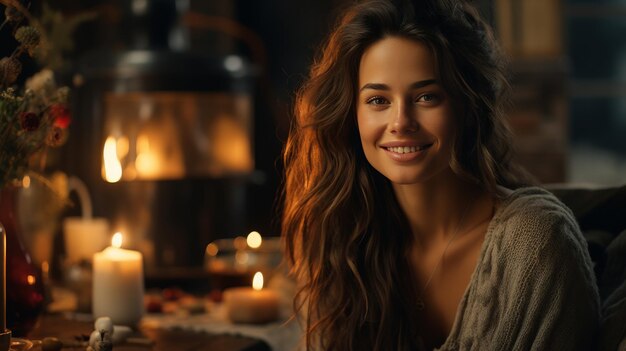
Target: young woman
{"type": "Point", "coordinates": [405, 221]}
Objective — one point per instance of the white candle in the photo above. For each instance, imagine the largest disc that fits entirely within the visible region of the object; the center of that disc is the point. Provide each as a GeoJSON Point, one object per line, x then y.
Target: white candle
{"type": "Point", "coordinates": [252, 305]}
{"type": "Point", "coordinates": [84, 237]}
{"type": "Point", "coordinates": [118, 284]}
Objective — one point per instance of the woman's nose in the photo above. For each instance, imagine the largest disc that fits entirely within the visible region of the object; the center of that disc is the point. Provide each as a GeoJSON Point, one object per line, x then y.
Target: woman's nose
{"type": "Point", "coordinates": [404, 120]}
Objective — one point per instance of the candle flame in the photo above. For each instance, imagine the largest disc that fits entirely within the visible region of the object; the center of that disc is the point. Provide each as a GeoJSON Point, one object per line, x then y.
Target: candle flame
{"type": "Point", "coordinates": [26, 182]}
{"type": "Point", "coordinates": [254, 240]}
{"type": "Point", "coordinates": [116, 241]}
{"type": "Point", "coordinates": [31, 279]}
{"type": "Point", "coordinates": [257, 281]}
{"type": "Point", "coordinates": [111, 163]}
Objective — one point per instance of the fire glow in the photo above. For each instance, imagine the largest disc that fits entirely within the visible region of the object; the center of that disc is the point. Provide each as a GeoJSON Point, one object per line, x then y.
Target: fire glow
{"type": "Point", "coordinates": [112, 168]}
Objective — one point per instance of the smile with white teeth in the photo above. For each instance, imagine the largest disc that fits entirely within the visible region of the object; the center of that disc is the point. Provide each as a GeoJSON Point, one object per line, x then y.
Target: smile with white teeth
{"type": "Point", "coordinates": [406, 149]}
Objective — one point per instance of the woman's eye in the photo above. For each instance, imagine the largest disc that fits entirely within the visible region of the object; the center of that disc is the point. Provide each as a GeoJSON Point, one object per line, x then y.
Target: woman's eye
{"type": "Point", "coordinates": [428, 98]}
{"type": "Point", "coordinates": [377, 100]}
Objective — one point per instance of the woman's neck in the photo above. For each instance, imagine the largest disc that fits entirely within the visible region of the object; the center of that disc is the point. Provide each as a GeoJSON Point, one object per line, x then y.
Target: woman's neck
{"type": "Point", "coordinates": [435, 208]}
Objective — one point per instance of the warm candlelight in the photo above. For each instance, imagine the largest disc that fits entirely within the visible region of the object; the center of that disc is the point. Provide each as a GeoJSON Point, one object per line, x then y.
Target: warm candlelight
{"type": "Point", "coordinates": [254, 240]}
{"type": "Point", "coordinates": [116, 241]}
{"type": "Point", "coordinates": [257, 281]}
{"type": "Point", "coordinates": [118, 287]}
{"type": "Point", "coordinates": [252, 305]}
{"type": "Point", "coordinates": [111, 168]}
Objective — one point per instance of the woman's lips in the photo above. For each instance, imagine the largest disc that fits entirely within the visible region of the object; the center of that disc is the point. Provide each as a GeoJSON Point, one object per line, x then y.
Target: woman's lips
{"type": "Point", "coordinates": [405, 153]}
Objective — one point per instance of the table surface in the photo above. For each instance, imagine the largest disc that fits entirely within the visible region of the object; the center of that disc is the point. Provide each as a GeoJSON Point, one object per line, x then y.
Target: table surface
{"type": "Point", "coordinates": [65, 329]}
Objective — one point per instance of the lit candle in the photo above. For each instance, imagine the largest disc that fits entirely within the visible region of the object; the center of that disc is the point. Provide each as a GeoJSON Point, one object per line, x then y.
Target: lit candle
{"type": "Point", "coordinates": [252, 305]}
{"type": "Point", "coordinates": [118, 284]}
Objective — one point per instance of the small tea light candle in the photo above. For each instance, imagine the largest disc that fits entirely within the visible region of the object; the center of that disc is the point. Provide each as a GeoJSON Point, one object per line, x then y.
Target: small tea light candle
{"type": "Point", "coordinates": [118, 284]}
{"type": "Point", "coordinates": [252, 305]}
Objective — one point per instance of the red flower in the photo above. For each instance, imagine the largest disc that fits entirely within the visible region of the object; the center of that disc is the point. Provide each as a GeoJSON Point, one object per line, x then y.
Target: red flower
{"type": "Point", "coordinates": [29, 121]}
{"type": "Point", "coordinates": [61, 115]}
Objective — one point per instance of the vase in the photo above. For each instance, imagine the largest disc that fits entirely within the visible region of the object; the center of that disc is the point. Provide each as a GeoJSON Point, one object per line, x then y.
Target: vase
{"type": "Point", "coordinates": [24, 286]}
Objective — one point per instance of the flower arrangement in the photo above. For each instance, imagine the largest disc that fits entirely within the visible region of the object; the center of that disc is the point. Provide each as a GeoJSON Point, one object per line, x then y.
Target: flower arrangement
{"type": "Point", "coordinates": [30, 122]}
{"type": "Point", "coordinates": [36, 116]}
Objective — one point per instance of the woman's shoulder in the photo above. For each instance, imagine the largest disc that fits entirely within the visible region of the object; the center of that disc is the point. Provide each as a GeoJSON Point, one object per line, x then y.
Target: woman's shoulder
{"type": "Point", "coordinates": [534, 233]}
{"type": "Point", "coordinates": [532, 197]}
{"type": "Point", "coordinates": [533, 217]}
{"type": "Point", "coordinates": [531, 239]}
{"type": "Point", "coordinates": [532, 206]}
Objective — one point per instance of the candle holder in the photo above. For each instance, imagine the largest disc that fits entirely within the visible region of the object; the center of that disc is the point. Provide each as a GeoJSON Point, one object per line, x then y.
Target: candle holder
{"type": "Point", "coordinates": [5, 340]}
{"type": "Point", "coordinates": [252, 305]}
{"type": "Point", "coordinates": [232, 262]}
{"type": "Point", "coordinates": [78, 278]}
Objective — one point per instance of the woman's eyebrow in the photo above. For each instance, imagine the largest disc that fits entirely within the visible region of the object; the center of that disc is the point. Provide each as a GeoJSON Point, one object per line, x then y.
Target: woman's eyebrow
{"type": "Point", "coordinates": [380, 86]}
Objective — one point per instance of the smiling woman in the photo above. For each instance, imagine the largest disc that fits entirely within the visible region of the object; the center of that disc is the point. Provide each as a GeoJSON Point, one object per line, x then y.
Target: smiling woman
{"type": "Point", "coordinates": [400, 96]}
{"type": "Point", "coordinates": [406, 224]}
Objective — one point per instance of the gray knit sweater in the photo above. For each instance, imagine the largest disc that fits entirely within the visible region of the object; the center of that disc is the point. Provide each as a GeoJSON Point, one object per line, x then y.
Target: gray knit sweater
{"type": "Point", "coordinates": [533, 287]}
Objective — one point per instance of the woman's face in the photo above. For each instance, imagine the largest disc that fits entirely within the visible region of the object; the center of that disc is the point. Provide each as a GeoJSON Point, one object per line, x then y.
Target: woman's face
{"type": "Point", "coordinates": [405, 118]}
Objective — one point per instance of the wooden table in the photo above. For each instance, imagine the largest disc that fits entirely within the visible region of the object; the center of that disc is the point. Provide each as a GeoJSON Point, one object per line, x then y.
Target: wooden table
{"type": "Point", "coordinates": [163, 340]}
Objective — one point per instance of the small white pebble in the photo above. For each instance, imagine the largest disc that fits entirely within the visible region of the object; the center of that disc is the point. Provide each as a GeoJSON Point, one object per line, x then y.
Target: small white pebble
{"type": "Point", "coordinates": [94, 337]}
{"type": "Point", "coordinates": [104, 323]}
{"type": "Point", "coordinates": [120, 334]}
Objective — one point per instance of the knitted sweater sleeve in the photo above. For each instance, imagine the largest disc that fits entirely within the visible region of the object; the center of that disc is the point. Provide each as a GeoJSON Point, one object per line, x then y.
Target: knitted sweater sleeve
{"type": "Point", "coordinates": [535, 288]}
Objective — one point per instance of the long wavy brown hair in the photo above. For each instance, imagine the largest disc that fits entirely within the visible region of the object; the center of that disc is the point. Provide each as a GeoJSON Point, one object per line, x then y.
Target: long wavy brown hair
{"type": "Point", "coordinates": [346, 239]}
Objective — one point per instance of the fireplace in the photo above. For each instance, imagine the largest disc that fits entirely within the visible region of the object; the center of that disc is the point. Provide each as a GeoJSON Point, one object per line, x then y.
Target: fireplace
{"type": "Point", "coordinates": [165, 141]}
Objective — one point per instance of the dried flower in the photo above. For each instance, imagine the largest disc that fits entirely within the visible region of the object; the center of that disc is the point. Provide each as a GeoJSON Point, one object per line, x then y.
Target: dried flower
{"type": "Point", "coordinates": [10, 69]}
{"type": "Point", "coordinates": [12, 15]}
{"type": "Point", "coordinates": [60, 114]}
{"type": "Point", "coordinates": [29, 124]}
{"type": "Point", "coordinates": [36, 116]}
{"type": "Point", "coordinates": [42, 80]}
{"type": "Point", "coordinates": [29, 121]}
{"type": "Point", "coordinates": [63, 93]}
{"type": "Point", "coordinates": [56, 137]}
{"type": "Point", "coordinates": [29, 94]}
{"type": "Point", "coordinates": [29, 38]}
